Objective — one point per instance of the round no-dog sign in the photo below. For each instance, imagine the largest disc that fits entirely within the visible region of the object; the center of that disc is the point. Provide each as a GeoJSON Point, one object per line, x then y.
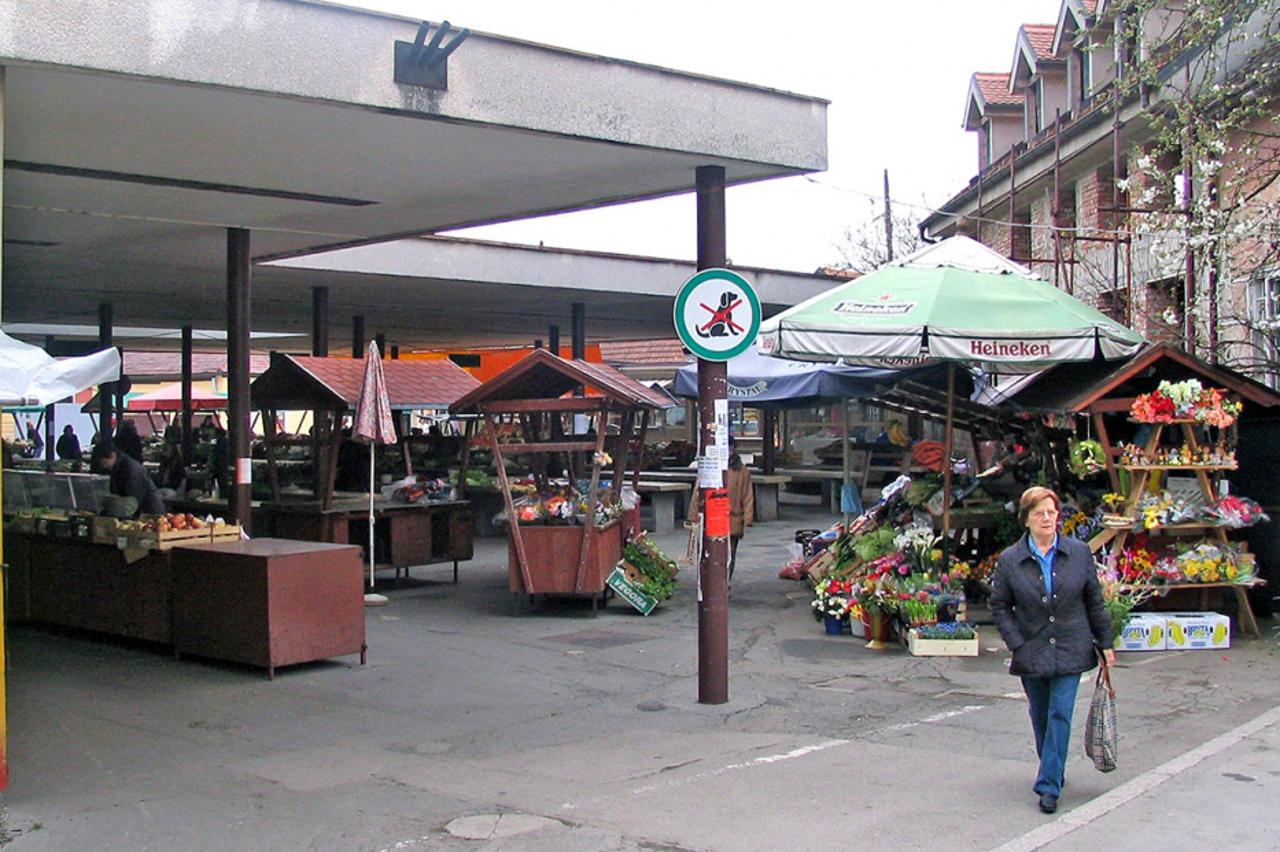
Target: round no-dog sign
{"type": "Point", "coordinates": [717, 314]}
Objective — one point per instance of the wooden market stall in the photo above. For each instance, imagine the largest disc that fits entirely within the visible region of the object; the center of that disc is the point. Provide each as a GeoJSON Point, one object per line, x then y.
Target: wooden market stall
{"type": "Point", "coordinates": [415, 533]}
{"type": "Point", "coordinates": [530, 416]}
{"type": "Point", "coordinates": [1105, 394]}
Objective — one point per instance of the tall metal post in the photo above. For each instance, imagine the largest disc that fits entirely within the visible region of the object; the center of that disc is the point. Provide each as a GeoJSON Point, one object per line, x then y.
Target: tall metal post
{"type": "Point", "coordinates": [105, 392]}
{"type": "Point", "coordinates": [188, 440]}
{"type": "Point", "coordinates": [238, 325]}
{"type": "Point", "coordinates": [319, 420]}
{"type": "Point", "coordinates": [50, 416]}
{"type": "Point", "coordinates": [553, 339]}
{"type": "Point", "coordinates": [4, 737]}
{"type": "Point", "coordinates": [713, 384]}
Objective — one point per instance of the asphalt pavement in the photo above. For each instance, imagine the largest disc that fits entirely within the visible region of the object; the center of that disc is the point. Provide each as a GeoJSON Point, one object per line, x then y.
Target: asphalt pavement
{"type": "Point", "coordinates": [480, 723]}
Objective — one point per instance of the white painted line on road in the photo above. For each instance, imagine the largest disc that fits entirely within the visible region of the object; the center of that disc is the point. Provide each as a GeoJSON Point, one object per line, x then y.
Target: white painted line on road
{"type": "Point", "coordinates": [936, 717]}
{"type": "Point", "coordinates": [1137, 786]}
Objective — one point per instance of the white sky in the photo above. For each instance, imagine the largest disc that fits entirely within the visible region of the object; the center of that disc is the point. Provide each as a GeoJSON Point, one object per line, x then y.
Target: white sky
{"type": "Point", "coordinates": [896, 74]}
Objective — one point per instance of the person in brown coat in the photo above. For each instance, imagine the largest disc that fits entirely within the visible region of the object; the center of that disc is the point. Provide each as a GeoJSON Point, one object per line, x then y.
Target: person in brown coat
{"type": "Point", "coordinates": [742, 503]}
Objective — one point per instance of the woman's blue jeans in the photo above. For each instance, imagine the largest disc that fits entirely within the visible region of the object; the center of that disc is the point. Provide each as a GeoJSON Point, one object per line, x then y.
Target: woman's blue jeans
{"type": "Point", "coordinates": [1053, 701]}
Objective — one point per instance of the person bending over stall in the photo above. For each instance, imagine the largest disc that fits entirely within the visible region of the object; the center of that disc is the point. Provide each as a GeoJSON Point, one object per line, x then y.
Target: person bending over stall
{"type": "Point", "coordinates": [130, 479]}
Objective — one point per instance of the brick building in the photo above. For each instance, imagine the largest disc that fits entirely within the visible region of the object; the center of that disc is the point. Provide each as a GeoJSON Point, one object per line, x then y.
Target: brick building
{"type": "Point", "coordinates": [1065, 154]}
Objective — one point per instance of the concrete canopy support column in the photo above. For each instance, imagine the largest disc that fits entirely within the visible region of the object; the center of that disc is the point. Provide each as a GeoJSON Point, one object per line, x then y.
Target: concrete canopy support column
{"type": "Point", "coordinates": [188, 444]}
{"type": "Point", "coordinates": [320, 321]}
{"type": "Point", "coordinates": [553, 339]}
{"type": "Point", "coordinates": [713, 384]}
{"type": "Point", "coordinates": [106, 318]}
{"type": "Point", "coordinates": [357, 337]}
{"type": "Point", "coordinates": [4, 738]}
{"type": "Point", "coordinates": [238, 325]}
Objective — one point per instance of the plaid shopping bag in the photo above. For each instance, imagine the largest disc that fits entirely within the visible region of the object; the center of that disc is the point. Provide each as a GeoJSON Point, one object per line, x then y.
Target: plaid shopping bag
{"type": "Point", "coordinates": [1101, 735]}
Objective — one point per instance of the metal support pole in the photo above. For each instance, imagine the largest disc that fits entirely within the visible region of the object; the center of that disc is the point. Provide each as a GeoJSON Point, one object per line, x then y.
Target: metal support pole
{"type": "Point", "coordinates": [579, 331]}
{"type": "Point", "coordinates": [238, 326]}
{"type": "Point", "coordinates": [188, 442]}
{"type": "Point", "coordinates": [770, 417]}
{"type": "Point", "coordinates": [105, 392]}
{"type": "Point", "coordinates": [320, 321]}
{"type": "Point", "coordinates": [713, 384]}
{"type": "Point", "coordinates": [50, 417]}
{"type": "Point", "coordinates": [357, 337]}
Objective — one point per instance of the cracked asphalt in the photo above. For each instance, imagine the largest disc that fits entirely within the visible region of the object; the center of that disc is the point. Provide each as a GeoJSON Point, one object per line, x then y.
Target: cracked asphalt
{"type": "Point", "coordinates": [549, 729]}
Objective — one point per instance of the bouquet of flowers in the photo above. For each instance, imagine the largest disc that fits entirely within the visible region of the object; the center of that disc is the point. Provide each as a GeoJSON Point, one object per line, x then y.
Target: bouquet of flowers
{"type": "Point", "coordinates": [1207, 562]}
{"type": "Point", "coordinates": [1135, 567]}
{"type": "Point", "coordinates": [832, 597]}
{"type": "Point", "coordinates": [1119, 597]}
{"type": "Point", "coordinates": [1166, 508]}
{"type": "Point", "coordinates": [1080, 526]}
{"type": "Point", "coordinates": [1236, 512]}
{"type": "Point", "coordinates": [1185, 400]}
{"type": "Point", "coordinates": [919, 609]}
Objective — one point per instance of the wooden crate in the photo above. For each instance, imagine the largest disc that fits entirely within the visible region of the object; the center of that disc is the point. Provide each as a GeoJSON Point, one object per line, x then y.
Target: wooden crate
{"type": "Point", "coordinates": [104, 531]}
{"type": "Point", "coordinates": [918, 647]}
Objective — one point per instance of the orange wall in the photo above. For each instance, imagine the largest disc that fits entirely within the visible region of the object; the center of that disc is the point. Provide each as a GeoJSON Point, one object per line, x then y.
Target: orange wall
{"type": "Point", "coordinates": [494, 361]}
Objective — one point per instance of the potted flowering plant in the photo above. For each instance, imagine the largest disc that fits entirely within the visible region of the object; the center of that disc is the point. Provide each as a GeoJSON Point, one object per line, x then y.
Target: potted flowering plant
{"type": "Point", "coordinates": [831, 599]}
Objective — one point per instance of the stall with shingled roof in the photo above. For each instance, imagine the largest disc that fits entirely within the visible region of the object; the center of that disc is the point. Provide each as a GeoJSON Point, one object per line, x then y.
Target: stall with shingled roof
{"type": "Point", "coordinates": [567, 422]}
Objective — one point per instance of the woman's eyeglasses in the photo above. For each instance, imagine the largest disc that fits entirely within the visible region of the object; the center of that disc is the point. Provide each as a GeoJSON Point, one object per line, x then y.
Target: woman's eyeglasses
{"type": "Point", "coordinates": [1045, 513]}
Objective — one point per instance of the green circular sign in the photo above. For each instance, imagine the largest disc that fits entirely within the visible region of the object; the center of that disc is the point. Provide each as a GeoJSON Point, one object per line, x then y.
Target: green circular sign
{"type": "Point", "coordinates": [717, 314]}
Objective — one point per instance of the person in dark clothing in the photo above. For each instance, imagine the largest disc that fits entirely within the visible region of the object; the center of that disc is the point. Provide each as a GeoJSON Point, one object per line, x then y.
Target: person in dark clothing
{"type": "Point", "coordinates": [219, 460]}
{"type": "Point", "coordinates": [130, 479]}
{"type": "Point", "coordinates": [128, 440]}
{"type": "Point", "coordinates": [173, 473]}
{"type": "Point", "coordinates": [1047, 604]}
{"type": "Point", "coordinates": [353, 465]}
{"type": "Point", "coordinates": [68, 446]}
{"type": "Point", "coordinates": [37, 443]}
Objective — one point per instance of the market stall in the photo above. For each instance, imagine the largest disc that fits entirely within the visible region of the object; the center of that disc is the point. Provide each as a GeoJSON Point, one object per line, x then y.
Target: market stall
{"type": "Point", "coordinates": [566, 534]}
{"type": "Point", "coordinates": [1164, 441]}
{"type": "Point", "coordinates": [419, 521]}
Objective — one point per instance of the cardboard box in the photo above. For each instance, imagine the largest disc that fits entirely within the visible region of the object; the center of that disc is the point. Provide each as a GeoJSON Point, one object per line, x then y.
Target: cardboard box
{"type": "Point", "coordinates": [1197, 630]}
{"type": "Point", "coordinates": [1144, 631]}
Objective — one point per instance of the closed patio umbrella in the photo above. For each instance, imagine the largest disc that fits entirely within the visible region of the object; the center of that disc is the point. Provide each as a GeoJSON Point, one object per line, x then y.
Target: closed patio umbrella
{"type": "Point", "coordinates": [373, 424]}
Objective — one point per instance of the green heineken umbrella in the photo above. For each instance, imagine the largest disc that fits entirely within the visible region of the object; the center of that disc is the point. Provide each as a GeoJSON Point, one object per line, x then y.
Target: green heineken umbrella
{"type": "Point", "coordinates": [955, 301]}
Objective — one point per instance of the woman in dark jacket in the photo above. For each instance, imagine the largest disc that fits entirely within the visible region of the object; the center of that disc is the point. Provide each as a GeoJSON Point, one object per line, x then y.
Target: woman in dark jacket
{"type": "Point", "coordinates": [1048, 607]}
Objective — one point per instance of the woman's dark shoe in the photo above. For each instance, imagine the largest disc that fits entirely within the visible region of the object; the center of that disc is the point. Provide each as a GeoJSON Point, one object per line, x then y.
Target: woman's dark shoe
{"type": "Point", "coordinates": [1048, 802]}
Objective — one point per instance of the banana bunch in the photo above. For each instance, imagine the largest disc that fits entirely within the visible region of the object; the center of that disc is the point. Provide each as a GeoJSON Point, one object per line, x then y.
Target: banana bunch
{"type": "Point", "coordinates": [1219, 633]}
{"type": "Point", "coordinates": [1156, 636]}
{"type": "Point", "coordinates": [1176, 634]}
{"type": "Point", "coordinates": [898, 436]}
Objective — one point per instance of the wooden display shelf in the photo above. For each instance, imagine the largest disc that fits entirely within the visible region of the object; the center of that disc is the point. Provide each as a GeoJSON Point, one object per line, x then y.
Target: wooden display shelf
{"type": "Point", "coordinates": [1247, 619]}
{"type": "Point", "coordinates": [1178, 467]}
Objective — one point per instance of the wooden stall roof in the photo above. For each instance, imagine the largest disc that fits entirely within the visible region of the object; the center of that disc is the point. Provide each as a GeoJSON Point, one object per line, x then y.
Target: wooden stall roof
{"type": "Point", "coordinates": [302, 382]}
{"type": "Point", "coordinates": [1075, 388]}
{"type": "Point", "coordinates": [541, 375]}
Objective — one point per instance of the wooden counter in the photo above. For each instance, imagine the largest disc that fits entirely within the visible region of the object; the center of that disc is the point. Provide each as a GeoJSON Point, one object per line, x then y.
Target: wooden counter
{"type": "Point", "coordinates": [268, 602]}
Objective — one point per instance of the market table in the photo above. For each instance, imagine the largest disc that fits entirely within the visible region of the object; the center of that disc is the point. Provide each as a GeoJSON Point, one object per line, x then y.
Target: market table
{"type": "Point", "coordinates": [1247, 618]}
{"type": "Point", "coordinates": [663, 497]}
{"type": "Point", "coordinates": [268, 602]}
{"type": "Point", "coordinates": [421, 533]}
{"type": "Point", "coordinates": [766, 486]}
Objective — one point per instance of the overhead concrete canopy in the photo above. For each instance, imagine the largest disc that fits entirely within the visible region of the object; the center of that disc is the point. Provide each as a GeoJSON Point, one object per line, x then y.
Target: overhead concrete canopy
{"type": "Point", "coordinates": [137, 132]}
{"type": "Point", "coordinates": [440, 292]}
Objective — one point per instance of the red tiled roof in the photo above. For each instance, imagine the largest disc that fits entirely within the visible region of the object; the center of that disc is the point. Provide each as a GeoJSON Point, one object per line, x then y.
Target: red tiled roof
{"type": "Point", "coordinates": [144, 365]}
{"type": "Point", "coordinates": [995, 89]}
{"type": "Point", "coordinates": [295, 379]}
{"type": "Point", "coordinates": [541, 375]}
{"type": "Point", "coordinates": [1090, 6]}
{"type": "Point", "coordinates": [1041, 38]}
{"type": "Point", "coordinates": [635, 352]}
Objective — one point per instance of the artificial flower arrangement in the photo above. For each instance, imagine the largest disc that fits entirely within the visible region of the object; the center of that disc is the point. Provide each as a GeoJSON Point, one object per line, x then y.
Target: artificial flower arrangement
{"type": "Point", "coordinates": [1158, 510]}
{"type": "Point", "coordinates": [1120, 596]}
{"type": "Point", "coordinates": [1209, 562]}
{"type": "Point", "coordinates": [1236, 512]}
{"type": "Point", "coordinates": [1185, 400]}
{"type": "Point", "coordinates": [562, 508]}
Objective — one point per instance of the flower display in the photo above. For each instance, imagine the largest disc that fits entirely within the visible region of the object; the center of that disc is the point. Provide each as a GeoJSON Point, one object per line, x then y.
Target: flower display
{"type": "Point", "coordinates": [1236, 512]}
{"type": "Point", "coordinates": [1209, 562]}
{"type": "Point", "coordinates": [832, 597]}
{"type": "Point", "coordinates": [946, 630]}
{"type": "Point", "coordinates": [1185, 400]}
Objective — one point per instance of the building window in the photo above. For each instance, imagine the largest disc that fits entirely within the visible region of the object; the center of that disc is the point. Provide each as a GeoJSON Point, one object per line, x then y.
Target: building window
{"type": "Point", "coordinates": [1264, 327]}
{"type": "Point", "coordinates": [1035, 108]}
{"type": "Point", "coordinates": [1020, 236]}
{"type": "Point", "coordinates": [1113, 303]}
{"type": "Point", "coordinates": [1083, 75]}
